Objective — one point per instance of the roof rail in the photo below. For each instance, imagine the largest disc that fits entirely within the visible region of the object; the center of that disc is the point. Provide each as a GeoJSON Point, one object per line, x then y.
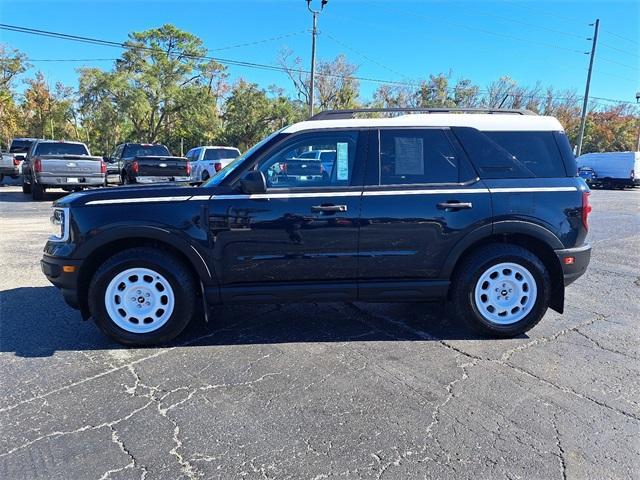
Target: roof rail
{"type": "Point", "coordinates": [351, 113]}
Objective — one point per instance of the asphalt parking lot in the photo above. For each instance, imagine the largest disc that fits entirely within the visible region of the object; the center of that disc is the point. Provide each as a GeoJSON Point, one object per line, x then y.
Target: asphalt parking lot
{"type": "Point", "coordinates": [323, 391]}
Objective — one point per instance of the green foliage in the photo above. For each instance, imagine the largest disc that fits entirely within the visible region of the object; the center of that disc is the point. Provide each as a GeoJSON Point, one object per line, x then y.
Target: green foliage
{"type": "Point", "coordinates": [250, 114]}
{"type": "Point", "coordinates": [164, 89]}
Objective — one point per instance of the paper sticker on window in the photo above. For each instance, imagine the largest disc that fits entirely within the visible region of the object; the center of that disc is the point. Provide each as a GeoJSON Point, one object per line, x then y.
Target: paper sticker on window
{"type": "Point", "coordinates": [409, 156]}
{"type": "Point", "coordinates": [342, 160]}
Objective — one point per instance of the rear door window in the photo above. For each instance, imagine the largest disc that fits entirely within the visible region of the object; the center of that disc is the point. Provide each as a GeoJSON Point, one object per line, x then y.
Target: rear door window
{"type": "Point", "coordinates": [417, 156]}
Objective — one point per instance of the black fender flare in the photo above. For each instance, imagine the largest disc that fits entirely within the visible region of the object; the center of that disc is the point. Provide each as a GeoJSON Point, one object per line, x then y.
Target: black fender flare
{"type": "Point", "coordinates": [507, 226]}
{"type": "Point", "coordinates": [161, 234]}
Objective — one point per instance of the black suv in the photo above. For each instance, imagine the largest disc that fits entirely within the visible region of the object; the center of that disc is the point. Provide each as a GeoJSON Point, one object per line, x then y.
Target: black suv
{"type": "Point", "coordinates": [484, 209]}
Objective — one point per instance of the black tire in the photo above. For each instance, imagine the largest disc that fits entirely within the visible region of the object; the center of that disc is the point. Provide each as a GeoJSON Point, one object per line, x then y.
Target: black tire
{"type": "Point", "coordinates": [607, 185]}
{"type": "Point", "coordinates": [205, 176]}
{"type": "Point", "coordinates": [164, 263]}
{"type": "Point", "coordinates": [37, 191]}
{"type": "Point", "coordinates": [468, 273]}
{"type": "Point", "coordinates": [26, 187]}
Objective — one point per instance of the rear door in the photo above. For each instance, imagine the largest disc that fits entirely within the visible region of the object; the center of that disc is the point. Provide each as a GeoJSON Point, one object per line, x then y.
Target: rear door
{"type": "Point", "coordinates": [421, 197]}
{"type": "Point", "coordinates": [302, 231]}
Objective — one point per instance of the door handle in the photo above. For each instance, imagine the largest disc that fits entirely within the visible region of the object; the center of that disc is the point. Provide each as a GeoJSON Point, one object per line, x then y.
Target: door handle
{"type": "Point", "coordinates": [454, 205]}
{"type": "Point", "coordinates": [329, 208]}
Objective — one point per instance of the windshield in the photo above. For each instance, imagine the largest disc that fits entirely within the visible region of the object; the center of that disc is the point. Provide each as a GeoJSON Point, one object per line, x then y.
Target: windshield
{"type": "Point", "coordinates": [220, 153]}
{"type": "Point", "coordinates": [145, 151]}
{"type": "Point", "coordinates": [20, 146]}
{"type": "Point", "coordinates": [223, 173]}
{"type": "Point", "coordinates": [61, 149]}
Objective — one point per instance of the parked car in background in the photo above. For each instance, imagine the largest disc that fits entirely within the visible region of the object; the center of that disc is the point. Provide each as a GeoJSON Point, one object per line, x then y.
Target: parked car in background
{"type": "Point", "coordinates": [303, 165]}
{"type": "Point", "coordinates": [589, 175]}
{"type": "Point", "coordinates": [61, 164]}
{"type": "Point", "coordinates": [149, 163]}
{"type": "Point", "coordinates": [206, 161]}
{"type": "Point", "coordinates": [613, 169]}
{"type": "Point", "coordinates": [482, 209]}
{"type": "Point", "coordinates": [11, 161]}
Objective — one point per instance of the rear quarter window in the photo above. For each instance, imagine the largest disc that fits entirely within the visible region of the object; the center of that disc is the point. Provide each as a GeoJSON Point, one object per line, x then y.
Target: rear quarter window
{"type": "Point", "coordinates": [537, 151]}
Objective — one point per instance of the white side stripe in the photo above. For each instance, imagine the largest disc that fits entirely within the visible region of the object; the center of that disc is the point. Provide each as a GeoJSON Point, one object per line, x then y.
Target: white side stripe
{"type": "Point", "coordinates": [368, 193]}
{"type": "Point", "coordinates": [376, 193]}
{"type": "Point", "coordinates": [532, 189]}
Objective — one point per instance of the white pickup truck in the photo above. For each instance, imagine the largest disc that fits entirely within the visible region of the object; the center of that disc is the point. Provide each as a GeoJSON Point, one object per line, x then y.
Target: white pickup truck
{"type": "Point", "coordinates": [11, 161]}
{"type": "Point", "coordinates": [66, 165]}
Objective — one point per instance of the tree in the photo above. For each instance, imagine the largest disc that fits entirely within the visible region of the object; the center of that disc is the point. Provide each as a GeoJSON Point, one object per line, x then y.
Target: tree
{"type": "Point", "coordinates": [250, 114]}
{"type": "Point", "coordinates": [49, 113]}
{"type": "Point", "coordinates": [12, 64]}
{"type": "Point", "coordinates": [161, 87]}
{"type": "Point", "coordinates": [335, 84]}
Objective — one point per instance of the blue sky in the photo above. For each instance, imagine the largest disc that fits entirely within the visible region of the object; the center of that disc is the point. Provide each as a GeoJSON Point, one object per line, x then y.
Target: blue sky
{"type": "Point", "coordinates": [389, 40]}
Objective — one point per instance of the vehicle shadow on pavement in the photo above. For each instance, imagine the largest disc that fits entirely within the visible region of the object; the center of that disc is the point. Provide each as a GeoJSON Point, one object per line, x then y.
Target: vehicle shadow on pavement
{"type": "Point", "coordinates": [12, 196]}
{"type": "Point", "coordinates": [35, 322]}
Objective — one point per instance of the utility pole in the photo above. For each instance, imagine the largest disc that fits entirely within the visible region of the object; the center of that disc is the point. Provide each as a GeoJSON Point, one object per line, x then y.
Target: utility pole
{"type": "Point", "coordinates": [314, 33]}
{"type": "Point", "coordinates": [585, 103]}
{"type": "Point", "coordinates": [638, 144]}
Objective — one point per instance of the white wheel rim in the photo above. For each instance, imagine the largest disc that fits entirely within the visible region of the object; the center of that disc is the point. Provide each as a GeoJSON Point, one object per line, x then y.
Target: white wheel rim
{"type": "Point", "coordinates": [505, 293]}
{"type": "Point", "coordinates": [139, 300]}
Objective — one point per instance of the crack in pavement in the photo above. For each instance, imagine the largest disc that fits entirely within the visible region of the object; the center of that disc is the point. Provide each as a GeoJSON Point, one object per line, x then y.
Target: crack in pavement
{"type": "Point", "coordinates": [561, 453]}
{"type": "Point", "coordinates": [507, 354]}
{"type": "Point", "coordinates": [115, 369]}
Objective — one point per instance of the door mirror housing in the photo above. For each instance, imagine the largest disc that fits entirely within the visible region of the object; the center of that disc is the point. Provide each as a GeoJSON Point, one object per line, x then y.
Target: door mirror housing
{"type": "Point", "coordinates": [253, 182]}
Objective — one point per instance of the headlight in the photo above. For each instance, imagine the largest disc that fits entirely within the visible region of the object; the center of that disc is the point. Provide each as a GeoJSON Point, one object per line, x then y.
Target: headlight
{"type": "Point", "coordinates": [59, 225]}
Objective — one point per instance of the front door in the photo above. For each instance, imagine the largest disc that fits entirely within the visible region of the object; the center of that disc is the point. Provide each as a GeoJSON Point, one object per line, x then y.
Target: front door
{"type": "Point", "coordinates": [420, 199]}
{"type": "Point", "coordinates": [304, 229]}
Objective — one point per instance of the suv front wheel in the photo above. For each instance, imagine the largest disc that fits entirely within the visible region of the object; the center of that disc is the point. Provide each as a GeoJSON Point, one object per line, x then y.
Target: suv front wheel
{"type": "Point", "coordinates": [142, 296]}
{"type": "Point", "coordinates": [501, 290]}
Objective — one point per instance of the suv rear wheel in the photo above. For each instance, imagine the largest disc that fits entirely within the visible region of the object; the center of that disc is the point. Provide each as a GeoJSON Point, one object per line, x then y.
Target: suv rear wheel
{"type": "Point", "coordinates": [142, 296]}
{"type": "Point", "coordinates": [501, 290]}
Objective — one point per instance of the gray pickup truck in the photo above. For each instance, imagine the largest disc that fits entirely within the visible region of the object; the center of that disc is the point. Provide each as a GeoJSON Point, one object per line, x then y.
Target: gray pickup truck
{"type": "Point", "coordinates": [60, 164]}
{"type": "Point", "coordinates": [11, 161]}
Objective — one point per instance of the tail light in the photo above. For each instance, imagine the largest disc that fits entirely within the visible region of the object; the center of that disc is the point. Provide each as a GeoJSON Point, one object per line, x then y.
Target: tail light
{"type": "Point", "coordinates": [16, 161]}
{"type": "Point", "coordinates": [188, 168]}
{"type": "Point", "coordinates": [135, 167]}
{"type": "Point", "coordinates": [586, 209]}
{"type": "Point", "coordinates": [103, 167]}
{"type": "Point", "coordinates": [37, 165]}
{"type": "Point", "coordinates": [217, 166]}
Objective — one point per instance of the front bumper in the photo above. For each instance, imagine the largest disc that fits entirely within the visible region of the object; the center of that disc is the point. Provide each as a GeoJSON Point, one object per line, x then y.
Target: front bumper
{"type": "Point", "coordinates": [66, 281]}
{"type": "Point", "coordinates": [575, 269]}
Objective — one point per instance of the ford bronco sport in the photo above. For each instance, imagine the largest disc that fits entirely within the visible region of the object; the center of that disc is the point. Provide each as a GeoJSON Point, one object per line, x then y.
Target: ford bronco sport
{"type": "Point", "coordinates": [484, 209]}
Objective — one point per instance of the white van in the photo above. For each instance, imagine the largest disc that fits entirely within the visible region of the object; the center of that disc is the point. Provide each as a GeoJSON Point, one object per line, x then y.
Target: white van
{"type": "Point", "coordinates": [612, 169]}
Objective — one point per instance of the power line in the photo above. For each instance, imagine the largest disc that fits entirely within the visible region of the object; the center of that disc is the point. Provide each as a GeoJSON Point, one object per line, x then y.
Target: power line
{"type": "Point", "coordinates": [71, 59]}
{"type": "Point", "coordinates": [482, 30]}
{"type": "Point", "coordinates": [369, 59]}
{"type": "Point", "coordinates": [239, 63]}
{"type": "Point", "coordinates": [258, 42]}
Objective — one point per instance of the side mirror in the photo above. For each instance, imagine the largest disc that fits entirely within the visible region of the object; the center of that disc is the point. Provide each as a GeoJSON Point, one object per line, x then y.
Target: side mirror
{"type": "Point", "coordinates": [253, 182]}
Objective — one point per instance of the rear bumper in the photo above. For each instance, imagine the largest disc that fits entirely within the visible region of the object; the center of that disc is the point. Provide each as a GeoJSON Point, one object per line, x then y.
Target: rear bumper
{"type": "Point", "coordinates": [581, 257]}
{"type": "Point", "coordinates": [10, 170]}
{"type": "Point", "coordinates": [155, 179]}
{"type": "Point", "coordinates": [70, 181]}
{"type": "Point", "coordinates": [67, 282]}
